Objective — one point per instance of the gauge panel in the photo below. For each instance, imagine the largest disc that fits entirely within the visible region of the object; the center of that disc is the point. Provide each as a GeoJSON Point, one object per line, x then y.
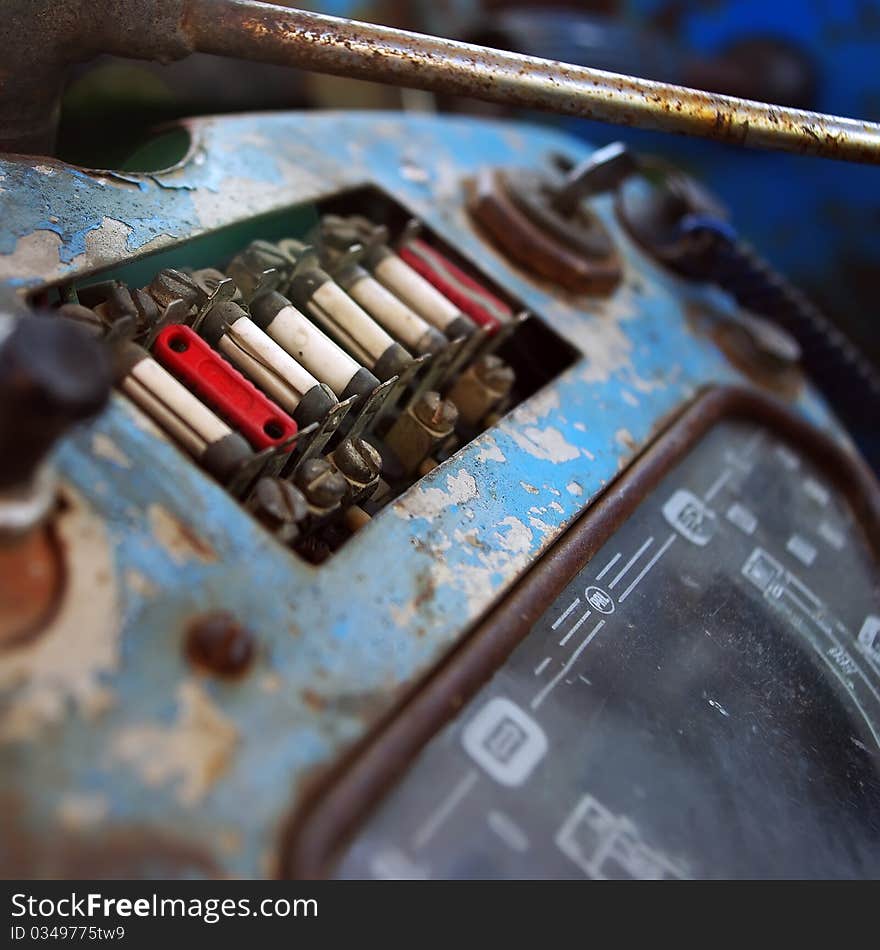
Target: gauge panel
{"type": "Point", "coordinates": [700, 699]}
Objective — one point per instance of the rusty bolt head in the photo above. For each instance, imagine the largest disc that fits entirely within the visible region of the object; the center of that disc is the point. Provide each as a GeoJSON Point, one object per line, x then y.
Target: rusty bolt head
{"type": "Point", "coordinates": [147, 310]}
{"type": "Point", "coordinates": [262, 255]}
{"type": "Point", "coordinates": [338, 233]}
{"type": "Point", "coordinates": [219, 644]}
{"type": "Point", "coordinates": [135, 307]}
{"type": "Point", "coordinates": [321, 484]}
{"type": "Point", "coordinates": [170, 284]}
{"type": "Point", "coordinates": [119, 301]}
{"type": "Point", "coordinates": [276, 503]}
{"type": "Point", "coordinates": [358, 460]}
{"type": "Point", "coordinates": [494, 373]}
{"type": "Point", "coordinates": [439, 414]}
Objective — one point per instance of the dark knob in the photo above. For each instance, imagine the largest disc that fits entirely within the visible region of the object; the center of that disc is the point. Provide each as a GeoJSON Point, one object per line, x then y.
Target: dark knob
{"type": "Point", "coordinates": [653, 205]}
{"type": "Point", "coordinates": [53, 374]}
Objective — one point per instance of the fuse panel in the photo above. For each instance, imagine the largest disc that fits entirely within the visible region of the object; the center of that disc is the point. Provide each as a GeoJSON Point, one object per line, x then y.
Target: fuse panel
{"type": "Point", "coordinates": [318, 377]}
{"type": "Point", "coordinates": [367, 371]}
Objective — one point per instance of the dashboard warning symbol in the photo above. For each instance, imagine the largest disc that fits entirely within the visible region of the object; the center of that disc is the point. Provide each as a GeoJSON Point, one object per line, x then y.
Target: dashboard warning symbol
{"type": "Point", "coordinates": [599, 600]}
{"type": "Point", "coordinates": [690, 517]}
{"type": "Point", "coordinates": [869, 636]}
{"type": "Point", "coordinates": [505, 741]}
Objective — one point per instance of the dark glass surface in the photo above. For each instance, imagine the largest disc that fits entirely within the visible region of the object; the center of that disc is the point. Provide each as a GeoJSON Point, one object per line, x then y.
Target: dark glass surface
{"type": "Point", "coordinates": [702, 700]}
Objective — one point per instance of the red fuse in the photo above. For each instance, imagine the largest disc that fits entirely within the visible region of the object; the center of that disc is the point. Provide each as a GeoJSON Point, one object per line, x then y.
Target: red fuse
{"type": "Point", "coordinates": [185, 354]}
{"type": "Point", "coordinates": [470, 297]}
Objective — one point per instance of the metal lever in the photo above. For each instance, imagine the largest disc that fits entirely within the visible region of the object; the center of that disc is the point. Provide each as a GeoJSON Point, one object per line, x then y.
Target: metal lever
{"type": "Point", "coordinates": [171, 29]}
{"type": "Point", "coordinates": [601, 171]}
{"type": "Point", "coordinates": [327, 44]}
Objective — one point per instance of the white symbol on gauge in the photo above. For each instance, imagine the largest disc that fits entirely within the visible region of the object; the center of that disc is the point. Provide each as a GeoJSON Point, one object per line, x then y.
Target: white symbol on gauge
{"type": "Point", "coordinates": [690, 517]}
{"type": "Point", "coordinates": [505, 741]}
{"type": "Point", "coordinates": [599, 600]}
{"type": "Point", "coordinates": [869, 636]}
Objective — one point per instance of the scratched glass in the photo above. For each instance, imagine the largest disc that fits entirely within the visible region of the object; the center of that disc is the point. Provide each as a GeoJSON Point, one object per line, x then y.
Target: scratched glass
{"type": "Point", "coordinates": [702, 700]}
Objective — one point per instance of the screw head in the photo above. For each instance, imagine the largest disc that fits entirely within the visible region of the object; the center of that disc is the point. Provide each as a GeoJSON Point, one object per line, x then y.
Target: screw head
{"type": "Point", "coordinates": [321, 484]}
{"type": "Point", "coordinates": [338, 233]}
{"type": "Point", "coordinates": [277, 503]}
{"type": "Point", "coordinates": [437, 413]}
{"type": "Point", "coordinates": [494, 373]}
{"type": "Point", "coordinates": [219, 644]}
{"type": "Point", "coordinates": [170, 284]}
{"type": "Point", "coordinates": [357, 460]}
{"type": "Point", "coordinates": [262, 255]}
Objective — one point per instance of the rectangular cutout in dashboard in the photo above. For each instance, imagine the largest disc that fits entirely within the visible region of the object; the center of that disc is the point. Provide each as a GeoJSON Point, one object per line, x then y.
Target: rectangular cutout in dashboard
{"type": "Point", "coordinates": [324, 358]}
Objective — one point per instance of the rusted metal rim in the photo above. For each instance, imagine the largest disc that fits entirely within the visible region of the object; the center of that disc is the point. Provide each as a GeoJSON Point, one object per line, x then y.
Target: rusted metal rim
{"type": "Point", "coordinates": [533, 248]}
{"type": "Point", "coordinates": [334, 807]}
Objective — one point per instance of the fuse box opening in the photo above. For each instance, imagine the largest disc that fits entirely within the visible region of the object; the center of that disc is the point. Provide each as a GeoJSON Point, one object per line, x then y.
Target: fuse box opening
{"type": "Point", "coordinates": [319, 361]}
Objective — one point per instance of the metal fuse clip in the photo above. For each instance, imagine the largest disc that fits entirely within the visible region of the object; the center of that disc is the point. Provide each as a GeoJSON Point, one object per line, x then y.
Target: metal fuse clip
{"type": "Point", "coordinates": [182, 416]}
{"type": "Point", "coordinates": [323, 432]}
{"type": "Point", "coordinates": [187, 356]}
{"type": "Point", "coordinates": [406, 284]}
{"type": "Point", "coordinates": [341, 254]}
{"type": "Point", "coordinates": [315, 292]}
{"type": "Point", "coordinates": [230, 330]}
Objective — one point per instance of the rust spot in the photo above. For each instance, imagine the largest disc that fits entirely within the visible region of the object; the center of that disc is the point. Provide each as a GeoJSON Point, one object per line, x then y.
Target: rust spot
{"type": "Point", "coordinates": [31, 581]}
{"type": "Point", "coordinates": [64, 669]}
{"type": "Point", "coordinates": [536, 250]}
{"type": "Point", "coordinates": [426, 587]}
{"type": "Point", "coordinates": [177, 538]}
{"type": "Point", "coordinates": [313, 700]}
{"type": "Point", "coordinates": [218, 643]}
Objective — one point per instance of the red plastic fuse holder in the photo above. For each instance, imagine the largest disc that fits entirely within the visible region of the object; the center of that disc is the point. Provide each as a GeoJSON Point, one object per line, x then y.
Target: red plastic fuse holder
{"type": "Point", "coordinates": [484, 308]}
{"type": "Point", "coordinates": [188, 357]}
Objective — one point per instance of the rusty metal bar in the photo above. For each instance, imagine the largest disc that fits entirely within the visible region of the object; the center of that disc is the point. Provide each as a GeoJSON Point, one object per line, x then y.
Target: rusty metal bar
{"type": "Point", "coordinates": [44, 36]}
{"type": "Point", "coordinates": [274, 33]}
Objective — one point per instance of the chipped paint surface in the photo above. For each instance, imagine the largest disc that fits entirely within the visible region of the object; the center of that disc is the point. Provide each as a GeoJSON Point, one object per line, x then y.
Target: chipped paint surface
{"type": "Point", "coordinates": [624, 438]}
{"type": "Point", "coordinates": [64, 668]}
{"type": "Point", "coordinates": [141, 743]}
{"type": "Point", "coordinates": [180, 541]}
{"type": "Point", "coordinates": [488, 450]}
{"type": "Point", "coordinates": [192, 752]}
{"type": "Point", "coordinates": [427, 503]}
{"type": "Point", "coordinates": [104, 447]}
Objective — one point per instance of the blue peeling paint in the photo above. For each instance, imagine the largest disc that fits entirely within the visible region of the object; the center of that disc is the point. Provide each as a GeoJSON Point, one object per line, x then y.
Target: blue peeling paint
{"type": "Point", "coordinates": [340, 642]}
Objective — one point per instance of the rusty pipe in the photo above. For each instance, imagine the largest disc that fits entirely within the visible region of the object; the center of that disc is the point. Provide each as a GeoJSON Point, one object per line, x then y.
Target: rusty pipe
{"type": "Point", "coordinates": [273, 33]}
{"type": "Point", "coordinates": [44, 36]}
